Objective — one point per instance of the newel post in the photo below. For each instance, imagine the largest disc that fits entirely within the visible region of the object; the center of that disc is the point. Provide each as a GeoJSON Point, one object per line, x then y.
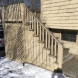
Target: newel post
{"type": "Point", "coordinates": [60, 56]}
{"type": "Point", "coordinates": [23, 12]}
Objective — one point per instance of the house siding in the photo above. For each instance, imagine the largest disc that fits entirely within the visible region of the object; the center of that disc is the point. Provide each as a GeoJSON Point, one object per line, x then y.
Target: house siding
{"type": "Point", "coordinates": [60, 14]}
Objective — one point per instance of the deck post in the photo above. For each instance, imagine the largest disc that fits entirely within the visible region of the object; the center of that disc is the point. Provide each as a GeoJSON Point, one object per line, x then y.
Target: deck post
{"type": "Point", "coordinates": [60, 56]}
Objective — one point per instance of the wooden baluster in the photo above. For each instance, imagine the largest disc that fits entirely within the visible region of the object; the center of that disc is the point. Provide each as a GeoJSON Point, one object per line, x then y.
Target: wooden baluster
{"type": "Point", "coordinates": [32, 23]}
{"type": "Point", "coordinates": [49, 41]}
{"type": "Point", "coordinates": [27, 16]}
{"type": "Point", "coordinates": [34, 26]}
{"type": "Point", "coordinates": [6, 14]}
{"type": "Point", "coordinates": [20, 10]}
{"type": "Point", "coordinates": [29, 22]}
{"type": "Point", "coordinates": [18, 16]}
{"type": "Point", "coordinates": [46, 39]}
{"type": "Point", "coordinates": [55, 49]}
{"type": "Point", "coordinates": [37, 31]}
{"type": "Point", "coordinates": [40, 34]}
{"type": "Point", "coordinates": [12, 12]}
{"type": "Point", "coordinates": [15, 13]}
{"type": "Point", "coordinates": [9, 13]}
{"type": "Point", "coordinates": [51, 46]}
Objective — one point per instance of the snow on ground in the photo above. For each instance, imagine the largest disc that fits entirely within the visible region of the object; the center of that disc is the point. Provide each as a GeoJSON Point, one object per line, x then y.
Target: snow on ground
{"type": "Point", "coordinates": [12, 69]}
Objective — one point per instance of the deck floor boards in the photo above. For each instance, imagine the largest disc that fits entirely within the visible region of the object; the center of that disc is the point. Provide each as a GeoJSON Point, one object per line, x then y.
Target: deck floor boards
{"type": "Point", "coordinates": [70, 68]}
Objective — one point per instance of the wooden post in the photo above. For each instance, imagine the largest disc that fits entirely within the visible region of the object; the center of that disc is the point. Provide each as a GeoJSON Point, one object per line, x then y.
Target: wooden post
{"type": "Point", "coordinates": [60, 56]}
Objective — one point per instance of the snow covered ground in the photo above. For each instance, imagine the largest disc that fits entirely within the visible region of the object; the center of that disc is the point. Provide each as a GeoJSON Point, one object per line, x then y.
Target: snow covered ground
{"type": "Point", "coordinates": [12, 69]}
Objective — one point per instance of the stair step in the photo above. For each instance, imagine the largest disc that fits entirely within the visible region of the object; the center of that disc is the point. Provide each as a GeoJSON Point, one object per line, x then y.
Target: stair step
{"type": "Point", "coordinates": [68, 58]}
{"type": "Point", "coordinates": [66, 51]}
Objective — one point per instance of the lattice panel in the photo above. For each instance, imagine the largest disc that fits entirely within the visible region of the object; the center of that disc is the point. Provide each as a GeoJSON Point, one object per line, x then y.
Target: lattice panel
{"type": "Point", "coordinates": [14, 39]}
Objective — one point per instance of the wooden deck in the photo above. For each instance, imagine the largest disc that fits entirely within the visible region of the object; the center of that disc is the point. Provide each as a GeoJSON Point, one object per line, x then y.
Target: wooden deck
{"type": "Point", "coordinates": [70, 68]}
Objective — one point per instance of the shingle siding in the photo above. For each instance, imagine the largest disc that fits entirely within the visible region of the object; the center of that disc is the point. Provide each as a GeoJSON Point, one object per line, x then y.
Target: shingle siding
{"type": "Point", "coordinates": [62, 14]}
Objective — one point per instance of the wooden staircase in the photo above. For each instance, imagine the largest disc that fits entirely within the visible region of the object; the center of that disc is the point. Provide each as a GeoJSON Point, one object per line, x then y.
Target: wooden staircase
{"type": "Point", "coordinates": [49, 41]}
{"type": "Point", "coordinates": [38, 45]}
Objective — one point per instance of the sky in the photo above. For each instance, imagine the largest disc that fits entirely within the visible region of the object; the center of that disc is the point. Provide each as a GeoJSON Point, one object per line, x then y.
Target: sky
{"type": "Point", "coordinates": [3, 2]}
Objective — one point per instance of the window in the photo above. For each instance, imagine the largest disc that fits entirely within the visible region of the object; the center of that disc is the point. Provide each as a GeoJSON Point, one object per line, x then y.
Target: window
{"type": "Point", "coordinates": [68, 36]}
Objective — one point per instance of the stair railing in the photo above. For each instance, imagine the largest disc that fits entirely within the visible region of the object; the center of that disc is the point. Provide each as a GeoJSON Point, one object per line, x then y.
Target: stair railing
{"type": "Point", "coordinates": [45, 36]}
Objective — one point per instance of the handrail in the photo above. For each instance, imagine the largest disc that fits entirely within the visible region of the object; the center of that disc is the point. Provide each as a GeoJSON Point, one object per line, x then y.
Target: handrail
{"type": "Point", "coordinates": [45, 27]}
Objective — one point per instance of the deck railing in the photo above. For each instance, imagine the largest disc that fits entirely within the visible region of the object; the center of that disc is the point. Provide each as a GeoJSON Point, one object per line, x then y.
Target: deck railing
{"type": "Point", "coordinates": [45, 36]}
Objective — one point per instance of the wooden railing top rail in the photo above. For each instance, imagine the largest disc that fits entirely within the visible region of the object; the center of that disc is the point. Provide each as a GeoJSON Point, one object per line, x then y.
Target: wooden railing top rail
{"type": "Point", "coordinates": [44, 27]}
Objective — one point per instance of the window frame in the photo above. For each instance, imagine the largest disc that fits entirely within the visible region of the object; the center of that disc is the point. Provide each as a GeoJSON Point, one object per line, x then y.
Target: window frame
{"type": "Point", "coordinates": [68, 36]}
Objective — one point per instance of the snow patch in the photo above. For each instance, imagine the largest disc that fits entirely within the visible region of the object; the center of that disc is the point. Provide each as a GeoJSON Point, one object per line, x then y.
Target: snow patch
{"type": "Point", "coordinates": [12, 69]}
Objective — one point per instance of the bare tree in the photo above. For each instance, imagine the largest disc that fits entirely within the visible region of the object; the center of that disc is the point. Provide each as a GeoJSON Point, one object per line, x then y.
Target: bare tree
{"type": "Point", "coordinates": [34, 4]}
{"type": "Point", "coordinates": [4, 2]}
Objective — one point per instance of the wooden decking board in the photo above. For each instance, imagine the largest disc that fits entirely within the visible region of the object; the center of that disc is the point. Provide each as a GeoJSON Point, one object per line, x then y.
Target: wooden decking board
{"type": "Point", "coordinates": [69, 57]}
{"type": "Point", "coordinates": [66, 55]}
{"type": "Point", "coordinates": [71, 68]}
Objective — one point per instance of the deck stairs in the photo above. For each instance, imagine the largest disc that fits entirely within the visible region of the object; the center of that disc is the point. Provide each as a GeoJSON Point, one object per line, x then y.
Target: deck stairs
{"type": "Point", "coordinates": [41, 47]}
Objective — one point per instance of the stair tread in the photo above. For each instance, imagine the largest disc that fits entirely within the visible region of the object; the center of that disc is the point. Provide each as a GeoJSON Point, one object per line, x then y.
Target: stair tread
{"type": "Point", "coordinates": [68, 57]}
